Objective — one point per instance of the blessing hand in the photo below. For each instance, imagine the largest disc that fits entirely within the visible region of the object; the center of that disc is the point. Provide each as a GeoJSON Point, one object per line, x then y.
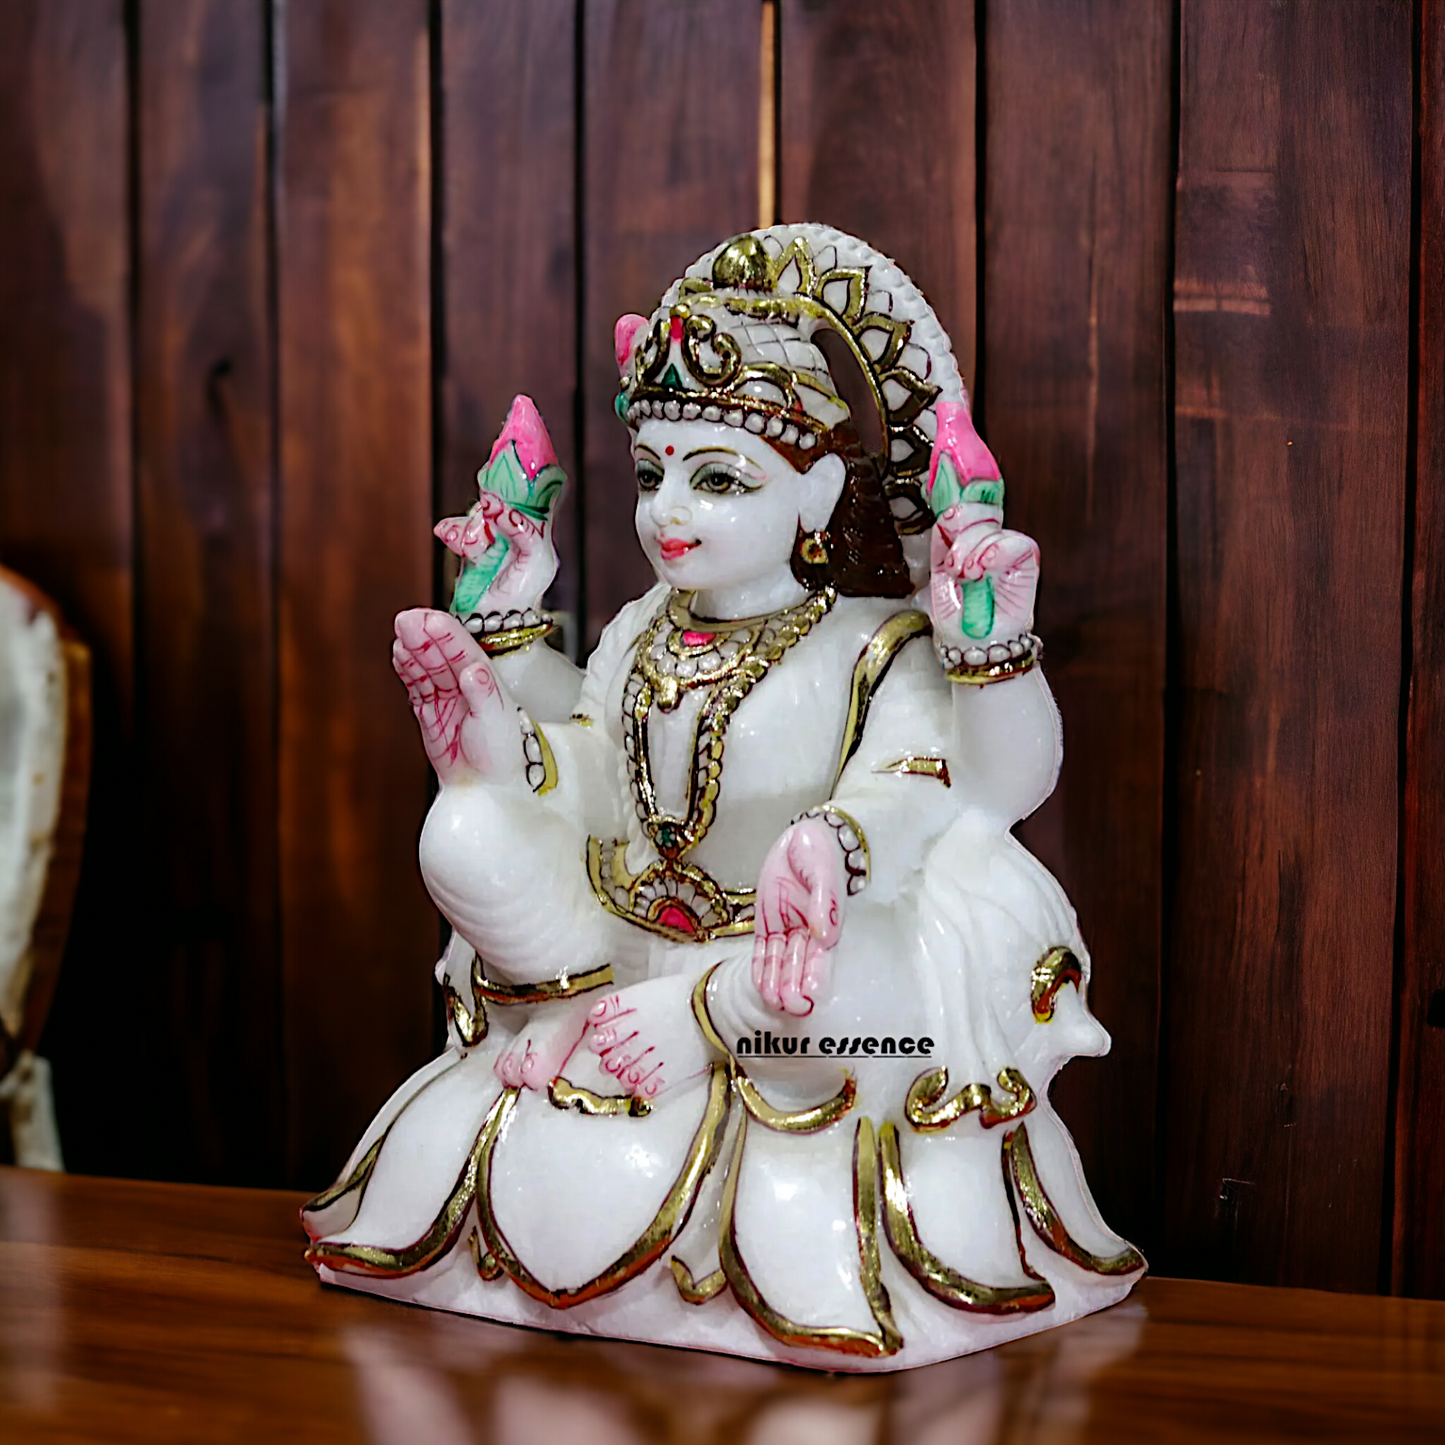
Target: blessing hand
{"type": "Point", "coordinates": [468, 725]}
{"type": "Point", "coordinates": [799, 916]}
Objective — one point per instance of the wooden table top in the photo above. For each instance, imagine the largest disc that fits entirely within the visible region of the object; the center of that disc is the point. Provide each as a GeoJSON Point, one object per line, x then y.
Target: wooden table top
{"type": "Point", "coordinates": [133, 1311]}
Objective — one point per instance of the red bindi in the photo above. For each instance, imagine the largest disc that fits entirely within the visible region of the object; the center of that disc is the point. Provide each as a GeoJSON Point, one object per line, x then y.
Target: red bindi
{"type": "Point", "coordinates": [668, 450]}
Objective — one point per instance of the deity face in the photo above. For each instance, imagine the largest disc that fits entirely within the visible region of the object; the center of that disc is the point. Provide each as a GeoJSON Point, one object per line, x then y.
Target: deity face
{"type": "Point", "coordinates": [718, 510]}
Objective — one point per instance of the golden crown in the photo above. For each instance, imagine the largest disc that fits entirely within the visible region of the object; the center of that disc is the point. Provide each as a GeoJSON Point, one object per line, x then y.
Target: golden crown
{"type": "Point", "coordinates": [731, 342]}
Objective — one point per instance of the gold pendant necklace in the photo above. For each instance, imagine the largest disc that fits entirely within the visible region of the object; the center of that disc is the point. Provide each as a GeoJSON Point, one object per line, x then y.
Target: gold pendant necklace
{"type": "Point", "coordinates": [676, 654]}
{"type": "Point", "coordinates": [680, 652]}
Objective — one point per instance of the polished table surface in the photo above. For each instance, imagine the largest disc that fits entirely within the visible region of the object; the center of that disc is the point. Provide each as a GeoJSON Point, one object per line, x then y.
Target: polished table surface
{"type": "Point", "coordinates": [161, 1312]}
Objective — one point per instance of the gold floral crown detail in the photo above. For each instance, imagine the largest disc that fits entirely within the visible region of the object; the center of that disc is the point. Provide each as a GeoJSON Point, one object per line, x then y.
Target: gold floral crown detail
{"type": "Point", "coordinates": [658, 391]}
{"type": "Point", "coordinates": [748, 282]}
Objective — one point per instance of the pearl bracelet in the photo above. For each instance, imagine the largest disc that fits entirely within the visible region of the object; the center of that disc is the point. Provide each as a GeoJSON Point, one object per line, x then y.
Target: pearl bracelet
{"type": "Point", "coordinates": [502, 632]}
{"type": "Point", "coordinates": [996, 662]}
{"type": "Point", "coordinates": [850, 840]}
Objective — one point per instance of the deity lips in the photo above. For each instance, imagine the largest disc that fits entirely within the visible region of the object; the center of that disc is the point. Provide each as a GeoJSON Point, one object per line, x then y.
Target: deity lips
{"type": "Point", "coordinates": [672, 548]}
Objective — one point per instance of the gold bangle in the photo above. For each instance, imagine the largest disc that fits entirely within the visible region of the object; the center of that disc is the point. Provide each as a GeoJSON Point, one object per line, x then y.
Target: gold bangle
{"type": "Point", "coordinates": [514, 639]}
{"type": "Point", "coordinates": [544, 991]}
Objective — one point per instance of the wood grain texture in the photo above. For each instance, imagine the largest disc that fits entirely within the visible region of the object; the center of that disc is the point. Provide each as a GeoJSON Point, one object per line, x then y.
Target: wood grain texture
{"type": "Point", "coordinates": [508, 291]}
{"type": "Point", "coordinates": [1076, 278]}
{"type": "Point", "coordinates": [66, 491]}
{"type": "Point", "coordinates": [205, 511]}
{"type": "Point", "coordinates": [156, 1313]}
{"type": "Point", "coordinates": [670, 144]}
{"type": "Point", "coordinates": [358, 932]}
{"type": "Point", "coordinates": [1418, 1265]}
{"type": "Point", "coordinates": [878, 112]}
{"type": "Point", "coordinates": [1290, 298]}
{"type": "Point", "coordinates": [65, 472]}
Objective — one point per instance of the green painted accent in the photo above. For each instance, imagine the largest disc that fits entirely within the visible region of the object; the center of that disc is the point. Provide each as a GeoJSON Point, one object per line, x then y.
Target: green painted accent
{"type": "Point", "coordinates": [474, 580]}
{"type": "Point", "coordinates": [989, 493]}
{"type": "Point", "coordinates": [546, 487]}
{"type": "Point", "coordinates": [977, 599]}
{"type": "Point", "coordinates": [946, 491]}
{"type": "Point", "coordinates": [505, 477]}
{"type": "Point", "coordinates": [670, 376]}
{"type": "Point", "coordinates": [620, 405]}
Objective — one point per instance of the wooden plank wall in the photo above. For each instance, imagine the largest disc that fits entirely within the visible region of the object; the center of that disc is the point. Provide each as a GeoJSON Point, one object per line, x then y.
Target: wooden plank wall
{"type": "Point", "coordinates": [505, 234]}
{"type": "Point", "coordinates": [1291, 298]}
{"type": "Point", "coordinates": [1417, 1241]}
{"type": "Point", "coordinates": [669, 166]}
{"type": "Point", "coordinates": [1076, 267]}
{"type": "Point", "coordinates": [272, 273]}
{"type": "Point", "coordinates": [205, 508]}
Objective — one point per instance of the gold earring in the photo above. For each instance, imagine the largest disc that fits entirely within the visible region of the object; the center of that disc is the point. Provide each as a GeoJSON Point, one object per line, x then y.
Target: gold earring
{"type": "Point", "coordinates": [813, 549]}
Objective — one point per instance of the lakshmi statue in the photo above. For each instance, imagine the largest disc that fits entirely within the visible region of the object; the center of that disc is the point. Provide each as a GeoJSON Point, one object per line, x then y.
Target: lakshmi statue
{"type": "Point", "coordinates": [754, 1000]}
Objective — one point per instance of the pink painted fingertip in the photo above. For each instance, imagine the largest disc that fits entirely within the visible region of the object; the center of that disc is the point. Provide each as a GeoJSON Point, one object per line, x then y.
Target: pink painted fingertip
{"type": "Point", "coordinates": [526, 428]}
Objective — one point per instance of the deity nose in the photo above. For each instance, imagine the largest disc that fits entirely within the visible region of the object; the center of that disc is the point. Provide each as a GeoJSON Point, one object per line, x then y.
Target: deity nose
{"type": "Point", "coordinates": [670, 505]}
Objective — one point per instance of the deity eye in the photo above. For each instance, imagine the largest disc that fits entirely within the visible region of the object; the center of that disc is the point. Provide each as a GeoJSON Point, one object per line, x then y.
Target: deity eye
{"type": "Point", "coordinates": [720, 480]}
{"type": "Point", "coordinates": [649, 475]}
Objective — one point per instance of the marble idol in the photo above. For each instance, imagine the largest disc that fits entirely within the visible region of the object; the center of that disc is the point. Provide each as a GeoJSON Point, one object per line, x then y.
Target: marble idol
{"type": "Point", "coordinates": [754, 999]}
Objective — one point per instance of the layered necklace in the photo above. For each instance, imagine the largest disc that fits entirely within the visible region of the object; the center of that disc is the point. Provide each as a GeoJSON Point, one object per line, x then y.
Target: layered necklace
{"type": "Point", "coordinates": [678, 653]}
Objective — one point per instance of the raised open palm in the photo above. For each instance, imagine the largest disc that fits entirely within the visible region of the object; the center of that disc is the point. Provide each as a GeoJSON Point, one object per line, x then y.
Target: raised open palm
{"type": "Point", "coordinates": [468, 726]}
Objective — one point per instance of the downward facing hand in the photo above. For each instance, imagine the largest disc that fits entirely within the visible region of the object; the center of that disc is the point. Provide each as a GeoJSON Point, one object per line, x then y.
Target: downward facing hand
{"type": "Point", "coordinates": [799, 917]}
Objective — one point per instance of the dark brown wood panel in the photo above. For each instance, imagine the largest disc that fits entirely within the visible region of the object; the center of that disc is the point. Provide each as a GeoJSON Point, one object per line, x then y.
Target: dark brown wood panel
{"type": "Point", "coordinates": [65, 488]}
{"type": "Point", "coordinates": [208, 668]}
{"type": "Point", "coordinates": [509, 293]}
{"type": "Point", "coordinates": [670, 146]}
{"type": "Point", "coordinates": [878, 110]}
{"type": "Point", "coordinates": [358, 932]}
{"type": "Point", "coordinates": [66, 494]}
{"type": "Point", "coordinates": [1076, 280]}
{"type": "Point", "coordinates": [1419, 1241]}
{"type": "Point", "coordinates": [1290, 299]}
